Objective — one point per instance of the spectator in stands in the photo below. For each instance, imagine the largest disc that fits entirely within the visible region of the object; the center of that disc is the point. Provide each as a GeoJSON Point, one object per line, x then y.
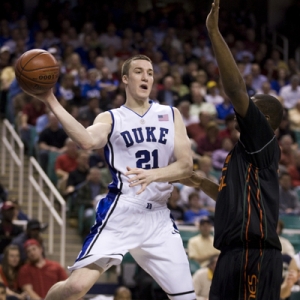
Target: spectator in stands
{"type": "Point", "coordinates": [79, 174]}
{"type": "Point", "coordinates": [205, 201]}
{"type": "Point", "coordinates": [184, 108]}
{"type": "Point", "coordinates": [92, 88]}
{"type": "Point", "coordinates": [178, 87]}
{"type": "Point", "coordinates": [211, 141]}
{"type": "Point", "coordinates": [195, 209]}
{"type": "Point", "coordinates": [286, 246]}
{"type": "Point", "coordinates": [203, 277]}
{"type": "Point", "coordinates": [108, 82]}
{"type": "Point", "coordinates": [30, 113]}
{"type": "Point", "coordinates": [34, 228]}
{"type": "Point", "coordinates": [66, 163]}
{"type": "Point", "coordinates": [294, 117]}
{"type": "Point", "coordinates": [9, 270]}
{"type": "Point", "coordinates": [110, 38]}
{"type": "Point", "coordinates": [281, 80]}
{"type": "Point", "coordinates": [8, 230]}
{"type": "Point", "coordinates": [224, 109]}
{"type": "Point", "coordinates": [91, 110]}
{"type": "Point", "coordinates": [200, 247]}
{"type": "Point", "coordinates": [290, 93]}
{"type": "Point", "coordinates": [257, 78]}
{"type": "Point", "coordinates": [38, 275]}
{"type": "Point", "coordinates": [53, 139]}
{"type": "Point", "coordinates": [284, 129]}
{"type": "Point", "coordinates": [287, 151]}
{"type": "Point", "coordinates": [266, 89]}
{"type": "Point", "coordinates": [289, 276]}
{"type": "Point", "coordinates": [176, 210]}
{"type": "Point", "coordinates": [191, 72]}
{"type": "Point", "coordinates": [122, 293]}
{"type": "Point", "coordinates": [213, 95]}
{"type": "Point", "coordinates": [65, 90]}
{"type": "Point", "coordinates": [167, 95]}
{"type": "Point", "coordinates": [251, 91]}
{"type": "Point", "coordinates": [111, 61]}
{"type": "Point", "coordinates": [197, 130]}
{"type": "Point", "coordinates": [294, 171]}
{"type": "Point", "coordinates": [197, 101]}
{"type": "Point", "coordinates": [219, 155]}
{"type": "Point", "coordinates": [288, 198]}
{"type": "Point", "coordinates": [97, 158]}
{"type": "Point", "coordinates": [19, 213]}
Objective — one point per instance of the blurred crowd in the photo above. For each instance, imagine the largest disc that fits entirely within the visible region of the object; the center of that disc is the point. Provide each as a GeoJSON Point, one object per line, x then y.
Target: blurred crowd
{"type": "Point", "coordinates": [90, 42]}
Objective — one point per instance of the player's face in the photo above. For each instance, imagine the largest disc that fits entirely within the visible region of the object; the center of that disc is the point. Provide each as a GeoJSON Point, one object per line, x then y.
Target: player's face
{"type": "Point", "coordinates": [139, 80]}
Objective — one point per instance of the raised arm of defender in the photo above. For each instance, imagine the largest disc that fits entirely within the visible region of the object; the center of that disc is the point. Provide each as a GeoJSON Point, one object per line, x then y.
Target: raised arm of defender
{"type": "Point", "coordinates": [232, 80]}
{"type": "Point", "coordinates": [92, 137]}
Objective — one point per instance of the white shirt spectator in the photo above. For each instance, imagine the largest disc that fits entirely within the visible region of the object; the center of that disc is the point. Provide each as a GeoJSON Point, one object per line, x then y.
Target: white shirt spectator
{"type": "Point", "coordinates": [290, 96]}
{"type": "Point", "coordinates": [187, 190]}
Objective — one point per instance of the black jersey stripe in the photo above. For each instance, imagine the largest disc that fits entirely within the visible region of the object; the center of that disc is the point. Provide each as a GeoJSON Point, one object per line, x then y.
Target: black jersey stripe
{"type": "Point", "coordinates": [179, 294]}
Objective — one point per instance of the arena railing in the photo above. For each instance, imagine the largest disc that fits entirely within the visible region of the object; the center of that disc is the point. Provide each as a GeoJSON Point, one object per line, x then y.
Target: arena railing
{"type": "Point", "coordinates": [38, 182]}
{"type": "Point", "coordinates": [13, 147]}
{"type": "Point", "coordinates": [297, 56]}
{"type": "Point", "coordinates": [37, 179]}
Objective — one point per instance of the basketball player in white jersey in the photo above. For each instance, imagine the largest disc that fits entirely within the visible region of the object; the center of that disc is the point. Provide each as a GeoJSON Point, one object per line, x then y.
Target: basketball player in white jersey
{"type": "Point", "coordinates": [146, 147]}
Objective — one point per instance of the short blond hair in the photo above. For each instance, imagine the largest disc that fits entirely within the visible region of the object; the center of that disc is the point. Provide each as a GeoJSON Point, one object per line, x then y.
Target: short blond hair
{"type": "Point", "coordinates": [126, 64]}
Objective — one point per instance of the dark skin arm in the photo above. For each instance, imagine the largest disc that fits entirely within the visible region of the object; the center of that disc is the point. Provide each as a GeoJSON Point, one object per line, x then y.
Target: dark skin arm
{"type": "Point", "coordinates": [209, 187]}
{"type": "Point", "coordinates": [233, 83]}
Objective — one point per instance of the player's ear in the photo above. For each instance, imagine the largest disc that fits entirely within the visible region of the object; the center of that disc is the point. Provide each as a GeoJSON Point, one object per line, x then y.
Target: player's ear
{"type": "Point", "coordinates": [125, 79]}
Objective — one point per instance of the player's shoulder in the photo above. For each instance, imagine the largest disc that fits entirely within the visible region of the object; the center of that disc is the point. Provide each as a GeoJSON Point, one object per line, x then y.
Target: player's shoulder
{"type": "Point", "coordinates": [104, 117]}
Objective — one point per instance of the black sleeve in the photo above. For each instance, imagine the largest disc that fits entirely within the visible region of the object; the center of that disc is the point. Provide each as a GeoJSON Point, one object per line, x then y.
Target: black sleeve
{"type": "Point", "coordinates": [256, 136]}
{"type": "Point", "coordinates": [43, 137]}
{"type": "Point", "coordinates": [255, 129]}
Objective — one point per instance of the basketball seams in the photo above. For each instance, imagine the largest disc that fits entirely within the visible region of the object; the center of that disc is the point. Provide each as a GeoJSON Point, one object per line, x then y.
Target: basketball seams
{"type": "Point", "coordinates": [43, 75]}
{"type": "Point", "coordinates": [23, 56]}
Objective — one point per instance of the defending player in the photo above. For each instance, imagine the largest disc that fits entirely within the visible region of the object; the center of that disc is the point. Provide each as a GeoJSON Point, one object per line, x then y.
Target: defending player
{"type": "Point", "coordinates": [150, 140]}
{"type": "Point", "coordinates": [246, 215]}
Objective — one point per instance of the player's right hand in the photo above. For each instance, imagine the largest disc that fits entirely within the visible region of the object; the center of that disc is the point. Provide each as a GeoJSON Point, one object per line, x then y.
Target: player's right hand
{"type": "Point", "coordinates": [44, 97]}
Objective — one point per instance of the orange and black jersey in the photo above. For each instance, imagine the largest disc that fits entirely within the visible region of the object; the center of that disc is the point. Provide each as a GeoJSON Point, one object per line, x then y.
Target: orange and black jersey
{"type": "Point", "coordinates": [248, 201]}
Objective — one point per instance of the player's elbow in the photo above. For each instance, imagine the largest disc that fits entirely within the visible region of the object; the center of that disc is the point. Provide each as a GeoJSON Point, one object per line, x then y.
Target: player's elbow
{"type": "Point", "coordinates": [86, 146]}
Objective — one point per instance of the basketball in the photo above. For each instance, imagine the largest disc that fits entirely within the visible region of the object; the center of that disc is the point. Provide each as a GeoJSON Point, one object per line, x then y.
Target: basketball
{"type": "Point", "coordinates": [36, 71]}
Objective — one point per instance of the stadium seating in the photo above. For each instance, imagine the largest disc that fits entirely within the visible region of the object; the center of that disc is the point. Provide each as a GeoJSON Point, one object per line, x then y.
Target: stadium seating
{"type": "Point", "coordinates": [290, 222]}
{"type": "Point", "coordinates": [295, 296]}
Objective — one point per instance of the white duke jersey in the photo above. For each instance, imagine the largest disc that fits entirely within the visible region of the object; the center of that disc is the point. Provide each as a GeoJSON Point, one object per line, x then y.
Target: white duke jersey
{"type": "Point", "coordinates": [145, 142]}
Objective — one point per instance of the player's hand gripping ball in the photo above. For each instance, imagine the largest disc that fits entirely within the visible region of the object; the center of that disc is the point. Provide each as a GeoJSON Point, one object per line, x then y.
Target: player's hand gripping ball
{"type": "Point", "coordinates": [36, 71]}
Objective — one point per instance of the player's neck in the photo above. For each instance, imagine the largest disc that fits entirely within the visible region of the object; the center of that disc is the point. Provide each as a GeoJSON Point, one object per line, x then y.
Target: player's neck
{"type": "Point", "coordinates": [138, 106]}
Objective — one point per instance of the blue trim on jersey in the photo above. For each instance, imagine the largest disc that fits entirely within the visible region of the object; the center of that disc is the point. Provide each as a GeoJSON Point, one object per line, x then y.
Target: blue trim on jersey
{"type": "Point", "coordinates": [150, 101]}
{"type": "Point", "coordinates": [108, 149]}
{"type": "Point", "coordinates": [173, 113]}
{"type": "Point", "coordinates": [113, 123]}
{"type": "Point", "coordinates": [103, 207]}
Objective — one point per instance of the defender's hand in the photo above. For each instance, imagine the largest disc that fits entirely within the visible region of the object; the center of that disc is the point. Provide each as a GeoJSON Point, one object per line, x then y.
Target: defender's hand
{"type": "Point", "coordinates": [212, 19]}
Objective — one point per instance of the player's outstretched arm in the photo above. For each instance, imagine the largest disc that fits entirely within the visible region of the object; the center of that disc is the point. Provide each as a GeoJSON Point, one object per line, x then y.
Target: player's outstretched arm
{"type": "Point", "coordinates": [232, 80]}
{"type": "Point", "coordinates": [209, 187]}
{"type": "Point", "coordinates": [92, 137]}
{"type": "Point", "coordinates": [177, 170]}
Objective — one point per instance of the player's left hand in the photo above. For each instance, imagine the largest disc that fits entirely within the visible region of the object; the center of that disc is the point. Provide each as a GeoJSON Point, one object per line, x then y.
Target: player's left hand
{"type": "Point", "coordinates": [213, 16]}
{"type": "Point", "coordinates": [143, 178]}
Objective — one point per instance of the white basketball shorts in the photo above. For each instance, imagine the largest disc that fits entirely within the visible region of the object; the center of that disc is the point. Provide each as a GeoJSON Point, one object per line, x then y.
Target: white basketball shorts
{"type": "Point", "coordinates": [148, 233]}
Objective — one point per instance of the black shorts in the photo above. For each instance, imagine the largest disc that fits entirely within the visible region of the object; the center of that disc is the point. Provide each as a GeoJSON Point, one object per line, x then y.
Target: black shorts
{"type": "Point", "coordinates": [245, 274]}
